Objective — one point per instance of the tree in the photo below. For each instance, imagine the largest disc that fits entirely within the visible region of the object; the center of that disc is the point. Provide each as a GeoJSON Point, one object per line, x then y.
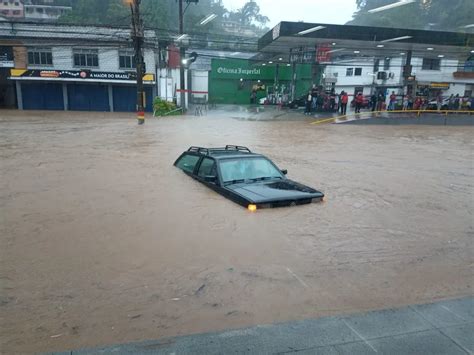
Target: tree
{"type": "Point", "coordinates": [444, 15]}
{"type": "Point", "coordinates": [249, 14]}
{"type": "Point", "coordinates": [110, 12]}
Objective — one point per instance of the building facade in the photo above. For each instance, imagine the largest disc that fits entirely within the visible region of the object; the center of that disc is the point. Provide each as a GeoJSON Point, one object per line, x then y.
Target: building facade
{"type": "Point", "coordinates": [48, 10]}
{"type": "Point", "coordinates": [429, 76]}
{"type": "Point", "coordinates": [34, 10]}
{"type": "Point", "coordinates": [58, 67]}
{"type": "Point", "coordinates": [12, 9]}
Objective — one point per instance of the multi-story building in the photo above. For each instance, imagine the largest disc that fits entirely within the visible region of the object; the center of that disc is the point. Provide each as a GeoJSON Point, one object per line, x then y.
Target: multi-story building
{"type": "Point", "coordinates": [11, 9]}
{"type": "Point", "coordinates": [430, 75]}
{"type": "Point", "coordinates": [46, 10]}
{"type": "Point", "coordinates": [64, 67]}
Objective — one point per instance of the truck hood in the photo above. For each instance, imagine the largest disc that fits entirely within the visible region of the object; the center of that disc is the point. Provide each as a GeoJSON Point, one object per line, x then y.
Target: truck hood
{"type": "Point", "coordinates": [275, 191]}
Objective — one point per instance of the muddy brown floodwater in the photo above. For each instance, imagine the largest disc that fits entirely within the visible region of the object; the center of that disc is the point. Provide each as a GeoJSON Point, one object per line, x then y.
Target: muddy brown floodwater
{"type": "Point", "coordinates": [104, 241]}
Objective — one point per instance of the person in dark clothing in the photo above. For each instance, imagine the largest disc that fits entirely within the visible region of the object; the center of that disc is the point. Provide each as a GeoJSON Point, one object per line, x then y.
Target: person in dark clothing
{"type": "Point", "coordinates": [380, 101]}
{"type": "Point", "coordinates": [359, 100]}
{"type": "Point", "coordinates": [373, 101]}
{"type": "Point", "coordinates": [253, 97]}
{"type": "Point", "coordinates": [332, 100]}
{"type": "Point", "coordinates": [320, 102]}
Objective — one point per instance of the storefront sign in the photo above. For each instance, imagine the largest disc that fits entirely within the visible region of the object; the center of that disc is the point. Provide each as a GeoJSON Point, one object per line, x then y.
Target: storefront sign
{"type": "Point", "coordinates": [238, 71]}
{"type": "Point", "coordinates": [79, 75]}
{"type": "Point", "coordinates": [439, 85]}
{"type": "Point", "coordinates": [6, 57]}
{"type": "Point", "coordinates": [323, 53]}
{"type": "Point", "coordinates": [302, 55]}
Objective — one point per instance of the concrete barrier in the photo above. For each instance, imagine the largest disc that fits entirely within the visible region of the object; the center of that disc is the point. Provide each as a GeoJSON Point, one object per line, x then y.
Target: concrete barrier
{"type": "Point", "coordinates": [460, 120]}
{"type": "Point", "coordinates": [433, 120]}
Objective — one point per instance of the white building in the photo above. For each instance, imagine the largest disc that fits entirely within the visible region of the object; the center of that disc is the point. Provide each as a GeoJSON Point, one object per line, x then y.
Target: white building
{"type": "Point", "coordinates": [75, 67]}
{"type": "Point", "coordinates": [368, 74]}
{"type": "Point", "coordinates": [11, 9]}
{"type": "Point", "coordinates": [45, 9]}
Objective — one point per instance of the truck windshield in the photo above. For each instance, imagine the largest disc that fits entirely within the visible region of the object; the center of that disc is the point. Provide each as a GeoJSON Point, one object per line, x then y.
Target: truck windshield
{"type": "Point", "coordinates": [248, 169]}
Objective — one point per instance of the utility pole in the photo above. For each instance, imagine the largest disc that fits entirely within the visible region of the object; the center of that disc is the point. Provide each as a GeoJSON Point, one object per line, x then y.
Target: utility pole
{"type": "Point", "coordinates": [138, 38]}
{"type": "Point", "coordinates": [182, 53]}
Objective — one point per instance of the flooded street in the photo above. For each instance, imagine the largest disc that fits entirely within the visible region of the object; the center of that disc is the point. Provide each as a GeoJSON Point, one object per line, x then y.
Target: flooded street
{"type": "Point", "coordinates": [104, 241]}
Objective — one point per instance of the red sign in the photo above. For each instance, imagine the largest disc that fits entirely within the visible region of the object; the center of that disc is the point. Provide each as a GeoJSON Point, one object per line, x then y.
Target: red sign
{"type": "Point", "coordinates": [174, 60]}
{"type": "Point", "coordinates": [323, 53]}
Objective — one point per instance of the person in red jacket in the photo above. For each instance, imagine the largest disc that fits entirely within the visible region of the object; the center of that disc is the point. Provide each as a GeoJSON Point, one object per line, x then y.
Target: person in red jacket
{"type": "Point", "coordinates": [393, 101]}
{"type": "Point", "coordinates": [344, 100]}
{"type": "Point", "coordinates": [359, 100]}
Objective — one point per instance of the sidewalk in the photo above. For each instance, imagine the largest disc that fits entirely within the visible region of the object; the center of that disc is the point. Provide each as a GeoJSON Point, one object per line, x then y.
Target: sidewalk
{"type": "Point", "coordinates": [445, 327]}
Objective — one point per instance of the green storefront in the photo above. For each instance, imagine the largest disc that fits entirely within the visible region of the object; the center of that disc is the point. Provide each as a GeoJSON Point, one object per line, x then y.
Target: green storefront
{"type": "Point", "coordinates": [231, 81]}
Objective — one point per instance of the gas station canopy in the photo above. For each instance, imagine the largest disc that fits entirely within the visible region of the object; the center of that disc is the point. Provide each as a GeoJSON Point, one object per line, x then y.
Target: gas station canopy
{"type": "Point", "coordinates": [345, 40]}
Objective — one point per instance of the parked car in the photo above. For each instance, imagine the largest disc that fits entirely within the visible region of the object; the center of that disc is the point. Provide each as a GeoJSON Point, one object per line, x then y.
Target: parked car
{"type": "Point", "coordinates": [298, 102]}
{"type": "Point", "coordinates": [249, 179]}
{"type": "Point", "coordinates": [433, 104]}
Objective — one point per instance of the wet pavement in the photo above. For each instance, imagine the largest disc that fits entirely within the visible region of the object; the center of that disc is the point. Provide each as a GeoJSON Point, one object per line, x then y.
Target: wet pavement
{"type": "Point", "coordinates": [437, 328]}
{"type": "Point", "coordinates": [104, 242]}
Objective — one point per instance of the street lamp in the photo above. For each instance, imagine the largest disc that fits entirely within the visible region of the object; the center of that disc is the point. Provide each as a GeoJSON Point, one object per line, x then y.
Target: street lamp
{"type": "Point", "coordinates": [207, 19]}
{"type": "Point", "coordinates": [391, 6]}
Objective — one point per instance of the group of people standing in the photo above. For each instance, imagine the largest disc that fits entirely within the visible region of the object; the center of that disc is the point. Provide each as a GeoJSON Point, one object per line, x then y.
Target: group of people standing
{"type": "Point", "coordinates": [321, 101]}
{"type": "Point", "coordinates": [318, 100]}
{"type": "Point", "coordinates": [459, 103]}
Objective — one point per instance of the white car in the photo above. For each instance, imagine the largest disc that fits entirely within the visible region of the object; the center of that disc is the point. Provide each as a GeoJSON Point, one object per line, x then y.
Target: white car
{"type": "Point", "coordinates": [433, 104]}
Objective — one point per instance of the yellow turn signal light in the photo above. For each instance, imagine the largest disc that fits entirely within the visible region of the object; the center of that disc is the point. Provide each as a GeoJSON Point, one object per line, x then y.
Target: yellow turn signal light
{"type": "Point", "coordinates": [252, 208]}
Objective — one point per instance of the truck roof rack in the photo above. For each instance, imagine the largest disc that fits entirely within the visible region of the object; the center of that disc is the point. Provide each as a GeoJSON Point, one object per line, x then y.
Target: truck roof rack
{"type": "Point", "coordinates": [227, 148]}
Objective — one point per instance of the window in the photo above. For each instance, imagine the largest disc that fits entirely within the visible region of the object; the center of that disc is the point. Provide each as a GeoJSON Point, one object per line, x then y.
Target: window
{"type": "Point", "coordinates": [376, 65]}
{"type": "Point", "coordinates": [126, 60]}
{"type": "Point", "coordinates": [358, 72]}
{"type": "Point", "coordinates": [40, 56]}
{"type": "Point", "coordinates": [248, 169]}
{"type": "Point", "coordinates": [16, 12]}
{"type": "Point", "coordinates": [86, 58]}
{"type": "Point", "coordinates": [431, 64]}
{"type": "Point", "coordinates": [349, 71]}
{"type": "Point", "coordinates": [17, 4]}
{"type": "Point", "coordinates": [187, 162]}
{"type": "Point", "coordinates": [386, 64]}
{"type": "Point", "coordinates": [207, 168]}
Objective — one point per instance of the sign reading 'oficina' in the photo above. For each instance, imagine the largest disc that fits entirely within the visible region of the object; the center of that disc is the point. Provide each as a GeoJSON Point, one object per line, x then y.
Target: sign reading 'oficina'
{"type": "Point", "coordinates": [238, 71]}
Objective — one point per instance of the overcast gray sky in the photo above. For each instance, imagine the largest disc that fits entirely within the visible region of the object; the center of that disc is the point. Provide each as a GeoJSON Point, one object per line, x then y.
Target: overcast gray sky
{"type": "Point", "coordinates": [322, 11]}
